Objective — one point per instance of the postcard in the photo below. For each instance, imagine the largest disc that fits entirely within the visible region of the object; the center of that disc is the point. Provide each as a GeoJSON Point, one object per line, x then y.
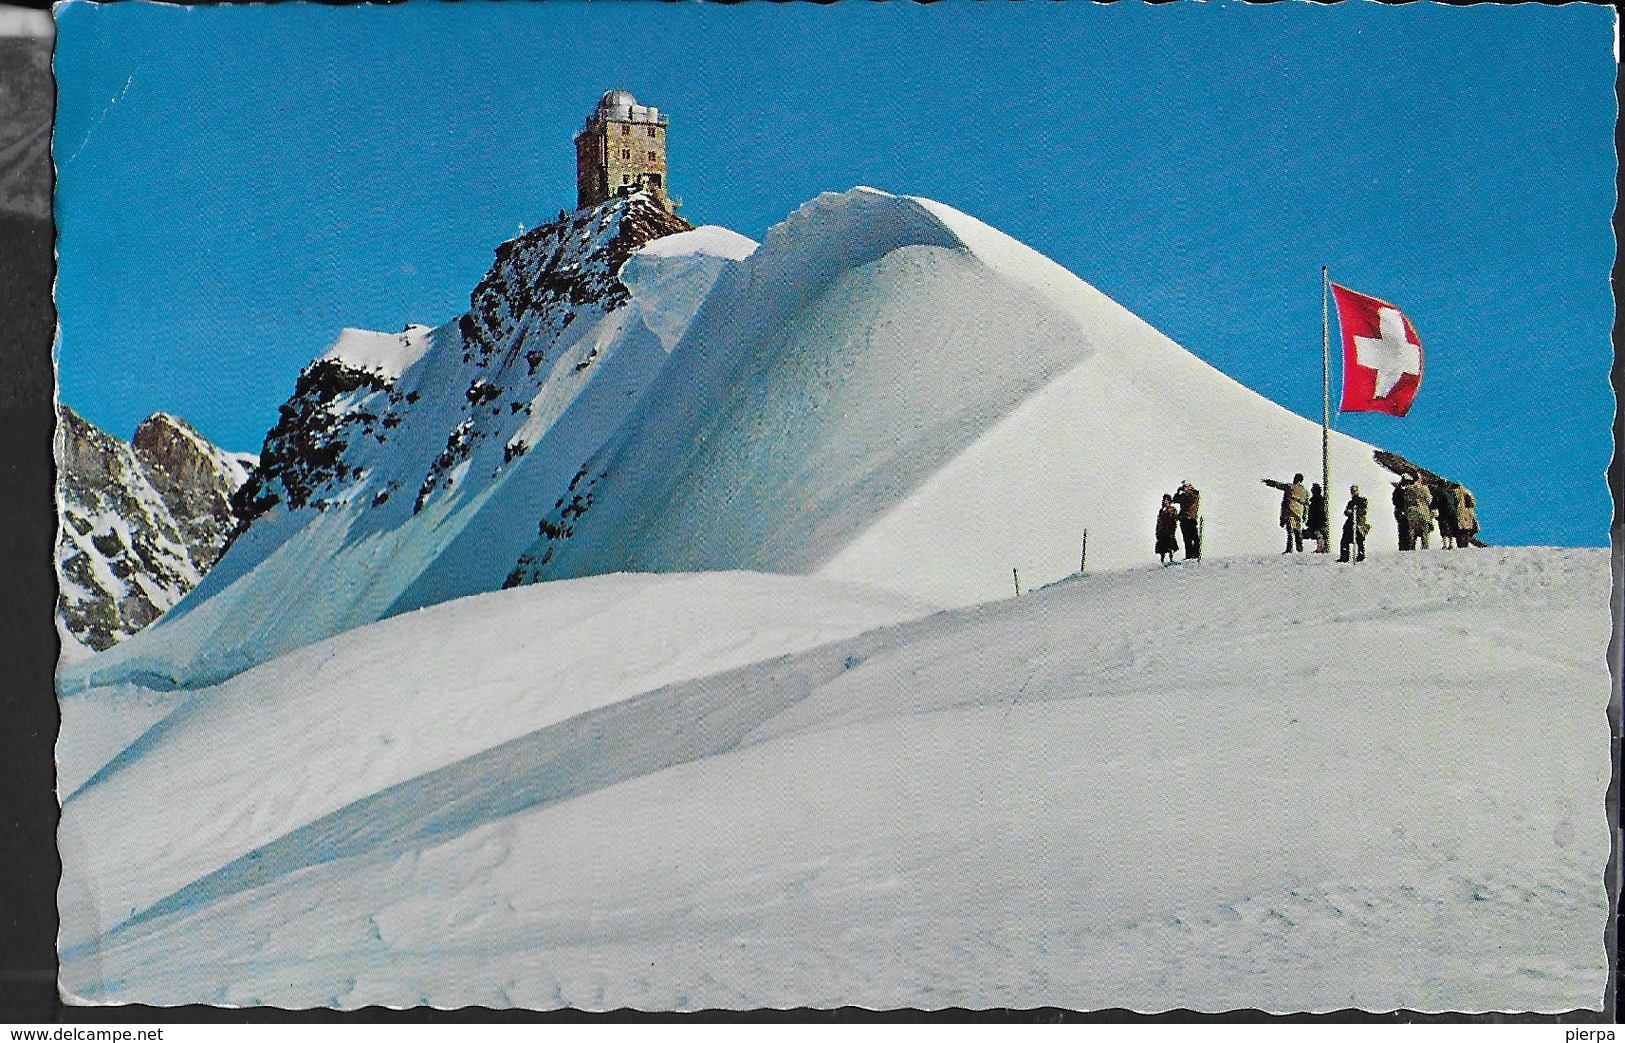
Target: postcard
{"type": "Point", "coordinates": [687, 507]}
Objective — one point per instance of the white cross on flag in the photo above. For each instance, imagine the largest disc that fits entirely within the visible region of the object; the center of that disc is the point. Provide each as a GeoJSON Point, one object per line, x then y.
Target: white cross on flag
{"type": "Point", "coordinates": [1382, 355]}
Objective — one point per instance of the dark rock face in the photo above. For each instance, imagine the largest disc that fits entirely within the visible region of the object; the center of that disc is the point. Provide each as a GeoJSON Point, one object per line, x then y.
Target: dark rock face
{"type": "Point", "coordinates": [344, 421]}
{"type": "Point", "coordinates": [139, 523]}
{"type": "Point", "coordinates": [186, 471]}
{"type": "Point", "coordinates": [305, 450]}
{"type": "Point", "coordinates": [540, 278]}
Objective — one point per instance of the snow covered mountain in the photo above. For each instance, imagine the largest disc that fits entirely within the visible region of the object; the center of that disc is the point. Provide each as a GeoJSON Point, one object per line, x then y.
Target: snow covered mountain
{"type": "Point", "coordinates": [735, 752]}
{"type": "Point", "coordinates": [140, 523]}
{"type": "Point", "coordinates": [891, 392]}
{"type": "Point", "coordinates": [439, 448]}
{"type": "Point", "coordinates": [887, 392]}
{"type": "Point", "coordinates": [1149, 788]}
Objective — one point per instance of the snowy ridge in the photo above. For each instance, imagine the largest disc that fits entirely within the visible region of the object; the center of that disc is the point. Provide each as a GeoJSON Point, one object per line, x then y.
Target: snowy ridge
{"type": "Point", "coordinates": [1095, 449]}
{"type": "Point", "coordinates": [387, 354]}
{"type": "Point", "coordinates": [891, 392]}
{"type": "Point", "coordinates": [1149, 789]}
{"type": "Point", "coordinates": [670, 277]}
{"type": "Point", "coordinates": [409, 468]}
{"type": "Point", "coordinates": [799, 387]}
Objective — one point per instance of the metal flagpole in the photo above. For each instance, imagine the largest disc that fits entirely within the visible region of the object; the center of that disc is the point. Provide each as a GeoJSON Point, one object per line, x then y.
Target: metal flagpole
{"type": "Point", "coordinates": [1326, 395]}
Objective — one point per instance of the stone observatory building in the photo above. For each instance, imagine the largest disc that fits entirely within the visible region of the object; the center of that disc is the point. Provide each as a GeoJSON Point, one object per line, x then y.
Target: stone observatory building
{"type": "Point", "coordinates": [621, 149]}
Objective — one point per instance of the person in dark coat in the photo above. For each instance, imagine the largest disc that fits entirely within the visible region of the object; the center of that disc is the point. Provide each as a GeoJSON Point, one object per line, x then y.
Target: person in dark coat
{"type": "Point", "coordinates": [1318, 525]}
{"type": "Point", "coordinates": [1294, 508]}
{"type": "Point", "coordinates": [1444, 504]}
{"type": "Point", "coordinates": [1356, 523]}
{"type": "Point", "coordinates": [1406, 540]}
{"type": "Point", "coordinates": [1189, 501]}
{"type": "Point", "coordinates": [1167, 525]}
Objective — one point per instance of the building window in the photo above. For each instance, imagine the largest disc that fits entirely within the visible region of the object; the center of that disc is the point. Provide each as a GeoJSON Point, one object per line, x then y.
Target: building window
{"type": "Point", "coordinates": [651, 157]}
{"type": "Point", "coordinates": [651, 132]}
{"type": "Point", "coordinates": [626, 153]}
{"type": "Point", "coordinates": [626, 179]}
{"type": "Point", "coordinates": [626, 128]}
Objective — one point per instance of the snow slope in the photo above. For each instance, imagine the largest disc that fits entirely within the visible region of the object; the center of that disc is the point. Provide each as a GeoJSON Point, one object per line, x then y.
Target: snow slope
{"type": "Point", "coordinates": [337, 721]}
{"type": "Point", "coordinates": [891, 392]}
{"type": "Point", "coordinates": [1257, 782]}
{"type": "Point", "coordinates": [409, 468]}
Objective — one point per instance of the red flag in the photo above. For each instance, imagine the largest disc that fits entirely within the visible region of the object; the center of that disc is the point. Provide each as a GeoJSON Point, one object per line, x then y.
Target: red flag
{"type": "Point", "coordinates": [1382, 355]}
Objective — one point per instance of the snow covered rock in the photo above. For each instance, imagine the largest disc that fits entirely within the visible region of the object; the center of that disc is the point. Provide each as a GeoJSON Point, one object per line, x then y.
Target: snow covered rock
{"type": "Point", "coordinates": [140, 522]}
{"type": "Point", "coordinates": [363, 419]}
{"type": "Point", "coordinates": [409, 468]}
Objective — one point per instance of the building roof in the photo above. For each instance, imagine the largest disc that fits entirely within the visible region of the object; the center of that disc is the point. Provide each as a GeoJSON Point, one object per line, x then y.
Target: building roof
{"type": "Point", "coordinates": [620, 105]}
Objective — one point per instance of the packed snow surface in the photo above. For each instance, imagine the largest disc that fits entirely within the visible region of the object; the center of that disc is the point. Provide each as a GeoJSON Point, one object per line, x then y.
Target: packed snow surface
{"type": "Point", "coordinates": [1265, 782]}
{"type": "Point", "coordinates": [435, 686]}
{"type": "Point", "coordinates": [670, 277]}
{"type": "Point", "coordinates": [706, 240]}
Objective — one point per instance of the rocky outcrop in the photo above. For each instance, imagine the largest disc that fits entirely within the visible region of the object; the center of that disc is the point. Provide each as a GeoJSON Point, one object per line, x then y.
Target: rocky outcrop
{"type": "Point", "coordinates": [140, 522]}
{"type": "Point", "coordinates": [405, 468]}
{"type": "Point", "coordinates": [349, 419]}
{"type": "Point", "coordinates": [195, 479]}
{"type": "Point", "coordinates": [1435, 482]}
{"type": "Point", "coordinates": [304, 452]}
{"type": "Point", "coordinates": [541, 278]}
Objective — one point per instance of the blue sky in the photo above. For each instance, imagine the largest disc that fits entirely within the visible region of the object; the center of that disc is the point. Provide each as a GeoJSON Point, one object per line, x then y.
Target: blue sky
{"type": "Point", "coordinates": [235, 184]}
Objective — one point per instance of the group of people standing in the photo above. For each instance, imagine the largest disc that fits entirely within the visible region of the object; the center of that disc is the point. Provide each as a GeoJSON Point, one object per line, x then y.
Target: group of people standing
{"type": "Point", "coordinates": [1419, 504]}
{"type": "Point", "coordinates": [1181, 512]}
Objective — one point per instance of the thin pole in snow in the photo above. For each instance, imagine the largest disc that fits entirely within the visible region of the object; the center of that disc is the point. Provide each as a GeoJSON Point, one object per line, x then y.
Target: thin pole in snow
{"type": "Point", "coordinates": [1017, 575]}
{"type": "Point", "coordinates": [1201, 535]}
{"type": "Point", "coordinates": [1326, 393]}
{"type": "Point", "coordinates": [1083, 556]}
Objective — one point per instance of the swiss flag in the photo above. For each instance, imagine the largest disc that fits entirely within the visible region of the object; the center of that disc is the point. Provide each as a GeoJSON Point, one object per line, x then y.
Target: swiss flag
{"type": "Point", "coordinates": [1382, 355]}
